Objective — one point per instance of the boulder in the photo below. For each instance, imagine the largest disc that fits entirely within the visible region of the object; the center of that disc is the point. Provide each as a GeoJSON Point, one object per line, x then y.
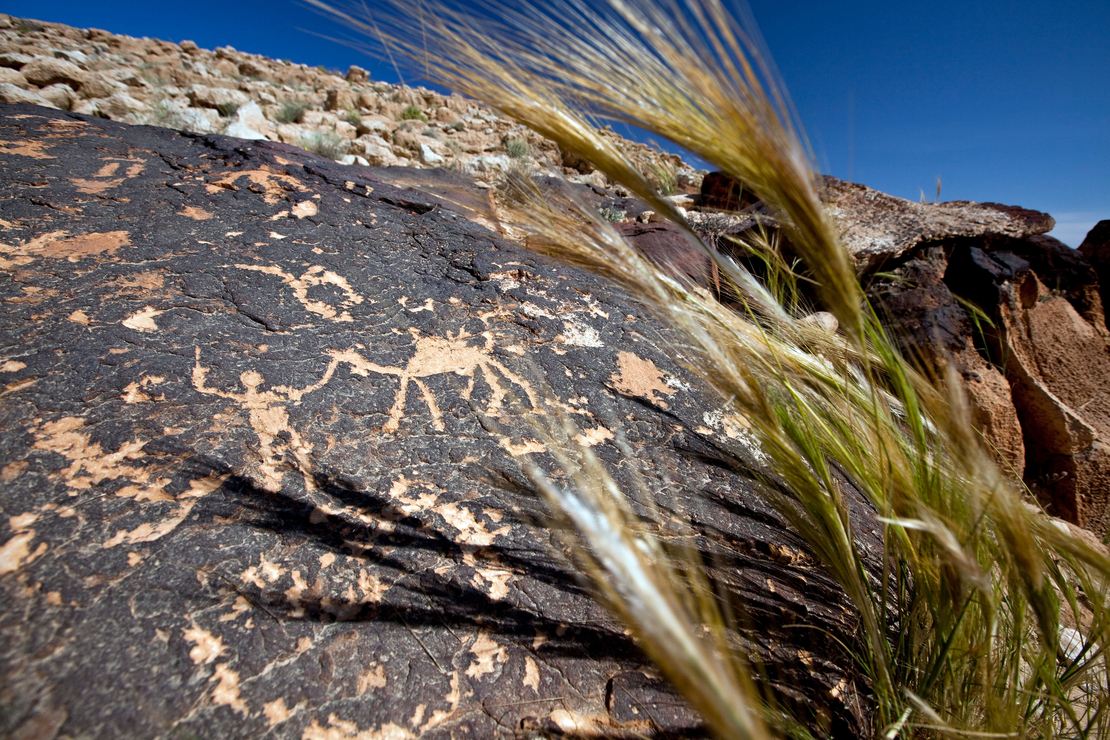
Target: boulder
{"type": "Point", "coordinates": [9, 93]}
{"type": "Point", "coordinates": [62, 96]}
{"type": "Point", "coordinates": [203, 96]}
{"type": "Point", "coordinates": [100, 85]}
{"type": "Point", "coordinates": [119, 106]}
{"type": "Point", "coordinates": [262, 462]}
{"type": "Point", "coordinates": [876, 227]}
{"type": "Point", "coordinates": [340, 100]}
{"type": "Point", "coordinates": [13, 77]}
{"type": "Point", "coordinates": [43, 71]}
{"type": "Point", "coordinates": [357, 75]}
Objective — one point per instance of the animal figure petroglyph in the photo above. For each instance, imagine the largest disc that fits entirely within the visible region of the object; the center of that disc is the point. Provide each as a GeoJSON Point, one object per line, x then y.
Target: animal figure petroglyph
{"type": "Point", "coordinates": [314, 276]}
{"type": "Point", "coordinates": [437, 356]}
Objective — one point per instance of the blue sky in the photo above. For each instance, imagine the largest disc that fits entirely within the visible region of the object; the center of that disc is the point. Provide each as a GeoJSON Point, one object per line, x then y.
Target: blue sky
{"type": "Point", "coordinates": [1005, 102]}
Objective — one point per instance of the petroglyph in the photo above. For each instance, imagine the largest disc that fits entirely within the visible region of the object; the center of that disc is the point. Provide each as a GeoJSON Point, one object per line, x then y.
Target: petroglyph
{"type": "Point", "coordinates": [438, 356]}
{"type": "Point", "coordinates": [25, 148]}
{"type": "Point", "coordinates": [314, 276]}
{"type": "Point", "coordinates": [269, 419]}
{"type": "Point", "coordinates": [274, 184]}
{"type": "Point", "coordinates": [143, 320]}
{"type": "Point", "coordinates": [636, 376]}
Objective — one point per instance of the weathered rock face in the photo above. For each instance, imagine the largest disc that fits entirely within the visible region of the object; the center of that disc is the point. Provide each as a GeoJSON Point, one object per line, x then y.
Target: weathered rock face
{"type": "Point", "coordinates": [877, 227]}
{"type": "Point", "coordinates": [1034, 359]}
{"type": "Point", "coordinates": [1096, 250]}
{"type": "Point", "coordinates": [261, 463]}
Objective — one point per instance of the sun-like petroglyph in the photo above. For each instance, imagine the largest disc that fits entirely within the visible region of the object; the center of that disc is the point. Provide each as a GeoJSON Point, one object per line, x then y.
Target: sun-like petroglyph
{"type": "Point", "coordinates": [315, 276]}
{"type": "Point", "coordinates": [438, 356]}
{"type": "Point", "coordinates": [268, 418]}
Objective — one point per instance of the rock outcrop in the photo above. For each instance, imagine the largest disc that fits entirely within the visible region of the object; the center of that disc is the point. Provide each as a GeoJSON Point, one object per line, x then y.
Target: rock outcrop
{"type": "Point", "coordinates": [346, 117]}
{"type": "Point", "coordinates": [262, 460]}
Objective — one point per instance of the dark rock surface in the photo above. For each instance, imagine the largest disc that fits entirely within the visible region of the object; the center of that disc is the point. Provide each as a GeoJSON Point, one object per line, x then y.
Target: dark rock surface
{"type": "Point", "coordinates": [260, 461]}
{"type": "Point", "coordinates": [1096, 250]}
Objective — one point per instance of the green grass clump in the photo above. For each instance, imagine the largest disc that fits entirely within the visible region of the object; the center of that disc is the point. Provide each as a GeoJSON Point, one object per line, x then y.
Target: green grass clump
{"type": "Point", "coordinates": [517, 149]}
{"type": "Point", "coordinates": [961, 637]}
{"type": "Point", "coordinates": [413, 113]}
{"type": "Point", "coordinates": [291, 111]}
{"type": "Point", "coordinates": [353, 117]}
{"type": "Point", "coordinates": [227, 110]}
{"type": "Point", "coordinates": [325, 143]}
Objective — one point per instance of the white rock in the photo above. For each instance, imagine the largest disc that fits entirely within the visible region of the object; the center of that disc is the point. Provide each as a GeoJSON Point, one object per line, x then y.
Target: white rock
{"type": "Point", "coordinates": [240, 130]}
{"type": "Point", "coordinates": [200, 120]}
{"type": "Point", "coordinates": [429, 156]}
{"type": "Point", "coordinates": [9, 93]}
{"type": "Point", "coordinates": [251, 115]}
{"type": "Point", "coordinates": [489, 163]}
{"type": "Point", "coordinates": [353, 159]}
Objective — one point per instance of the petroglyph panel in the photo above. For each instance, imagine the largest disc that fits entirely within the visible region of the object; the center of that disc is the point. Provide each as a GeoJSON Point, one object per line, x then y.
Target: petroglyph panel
{"type": "Point", "coordinates": [263, 424]}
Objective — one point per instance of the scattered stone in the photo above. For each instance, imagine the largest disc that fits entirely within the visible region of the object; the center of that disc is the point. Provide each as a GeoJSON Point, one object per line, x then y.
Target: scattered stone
{"type": "Point", "coordinates": [62, 96]}
{"type": "Point", "coordinates": [216, 97]}
{"type": "Point", "coordinates": [119, 107]}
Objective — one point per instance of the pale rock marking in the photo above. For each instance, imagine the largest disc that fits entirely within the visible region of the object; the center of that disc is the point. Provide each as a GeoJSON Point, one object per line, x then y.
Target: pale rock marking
{"type": "Point", "coordinates": [143, 320]}
{"type": "Point", "coordinates": [338, 729]}
{"type": "Point", "coordinates": [227, 690]}
{"type": "Point", "coordinates": [487, 656]}
{"type": "Point", "coordinates": [276, 712]}
{"type": "Point", "coordinates": [79, 317]}
{"type": "Point", "coordinates": [12, 366]}
{"type": "Point", "coordinates": [314, 276]}
{"type": "Point", "coordinates": [438, 356]}
{"type": "Point", "coordinates": [372, 678]}
{"type": "Point", "coordinates": [275, 184]}
{"type": "Point", "coordinates": [531, 674]}
{"type": "Point", "coordinates": [206, 646]}
{"type": "Point", "coordinates": [269, 419]}
{"type": "Point", "coordinates": [636, 376]}
{"type": "Point", "coordinates": [304, 209]}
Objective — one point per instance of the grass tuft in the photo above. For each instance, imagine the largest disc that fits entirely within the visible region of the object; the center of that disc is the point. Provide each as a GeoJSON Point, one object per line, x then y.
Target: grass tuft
{"type": "Point", "coordinates": [325, 143]}
{"type": "Point", "coordinates": [291, 111]}
{"type": "Point", "coordinates": [413, 113]}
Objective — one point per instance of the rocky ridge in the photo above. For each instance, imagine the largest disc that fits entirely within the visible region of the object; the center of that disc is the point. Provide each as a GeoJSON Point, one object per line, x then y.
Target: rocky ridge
{"type": "Point", "coordinates": [349, 118]}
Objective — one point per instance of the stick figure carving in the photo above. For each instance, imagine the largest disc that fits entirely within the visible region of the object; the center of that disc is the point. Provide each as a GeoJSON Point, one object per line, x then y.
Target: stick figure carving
{"type": "Point", "coordinates": [437, 356]}
{"type": "Point", "coordinates": [268, 418]}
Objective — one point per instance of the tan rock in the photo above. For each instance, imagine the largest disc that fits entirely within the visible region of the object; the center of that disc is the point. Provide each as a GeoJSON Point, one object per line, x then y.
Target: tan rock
{"type": "Point", "coordinates": [9, 93]}
{"type": "Point", "coordinates": [357, 75]}
{"type": "Point", "coordinates": [13, 77]}
{"type": "Point", "coordinates": [45, 71]}
{"type": "Point", "coordinates": [100, 85]}
{"type": "Point", "coordinates": [119, 107]}
{"type": "Point", "coordinates": [60, 95]}
{"type": "Point", "coordinates": [204, 96]}
{"type": "Point", "coordinates": [345, 130]}
{"type": "Point", "coordinates": [341, 100]}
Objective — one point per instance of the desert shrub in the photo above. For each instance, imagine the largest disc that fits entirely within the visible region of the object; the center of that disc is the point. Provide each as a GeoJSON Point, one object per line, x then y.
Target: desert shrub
{"type": "Point", "coordinates": [413, 113]}
{"type": "Point", "coordinates": [353, 117]}
{"type": "Point", "coordinates": [291, 111]}
{"type": "Point", "coordinates": [517, 149]}
{"type": "Point", "coordinates": [325, 143]}
{"type": "Point", "coordinates": [612, 215]}
{"type": "Point", "coordinates": [458, 125]}
{"type": "Point", "coordinates": [227, 110]}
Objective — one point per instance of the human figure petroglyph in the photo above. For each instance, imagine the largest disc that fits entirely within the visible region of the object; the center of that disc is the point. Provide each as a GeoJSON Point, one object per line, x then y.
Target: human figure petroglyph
{"type": "Point", "coordinates": [438, 356]}
{"type": "Point", "coordinates": [268, 416]}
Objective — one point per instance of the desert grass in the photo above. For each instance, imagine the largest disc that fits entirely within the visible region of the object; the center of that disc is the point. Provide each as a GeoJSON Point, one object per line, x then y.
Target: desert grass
{"type": "Point", "coordinates": [961, 636]}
